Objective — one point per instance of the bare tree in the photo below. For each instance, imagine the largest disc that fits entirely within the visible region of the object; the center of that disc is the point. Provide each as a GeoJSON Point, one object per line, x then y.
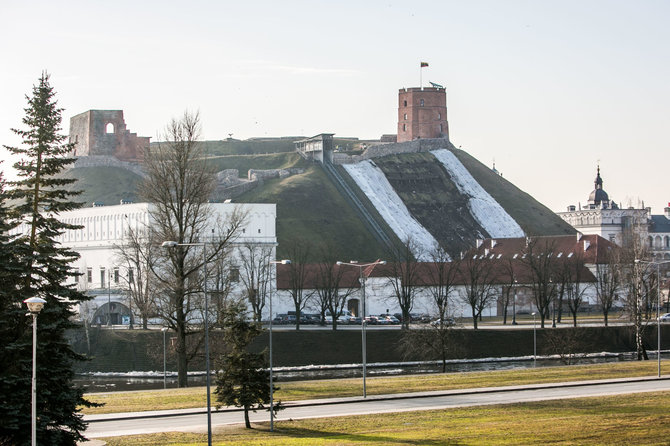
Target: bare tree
{"type": "Point", "coordinates": [541, 264]}
{"type": "Point", "coordinates": [333, 284]}
{"type": "Point", "coordinates": [402, 273]}
{"type": "Point", "coordinates": [634, 275]}
{"type": "Point", "coordinates": [178, 185]}
{"type": "Point", "coordinates": [608, 282]}
{"type": "Point", "coordinates": [478, 276]}
{"type": "Point", "coordinates": [255, 275]}
{"type": "Point", "coordinates": [442, 273]}
{"type": "Point", "coordinates": [296, 271]}
{"type": "Point", "coordinates": [510, 280]}
{"type": "Point", "coordinates": [137, 254]}
{"type": "Point", "coordinates": [575, 274]}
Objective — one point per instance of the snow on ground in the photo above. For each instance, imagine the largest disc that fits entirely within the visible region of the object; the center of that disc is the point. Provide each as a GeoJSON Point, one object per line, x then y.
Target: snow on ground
{"type": "Point", "coordinates": [379, 191]}
{"type": "Point", "coordinates": [490, 215]}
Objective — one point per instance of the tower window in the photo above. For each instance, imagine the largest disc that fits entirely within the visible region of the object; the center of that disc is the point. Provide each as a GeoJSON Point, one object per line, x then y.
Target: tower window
{"type": "Point", "coordinates": [421, 103]}
{"type": "Point", "coordinates": [109, 128]}
{"type": "Point", "coordinates": [404, 104]}
{"type": "Point", "coordinates": [404, 127]}
{"type": "Point", "coordinates": [441, 128]}
{"type": "Point", "coordinates": [405, 117]}
{"type": "Point", "coordinates": [439, 116]}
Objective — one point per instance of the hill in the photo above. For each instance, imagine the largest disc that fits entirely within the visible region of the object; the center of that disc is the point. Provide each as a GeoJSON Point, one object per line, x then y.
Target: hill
{"type": "Point", "coordinates": [326, 206]}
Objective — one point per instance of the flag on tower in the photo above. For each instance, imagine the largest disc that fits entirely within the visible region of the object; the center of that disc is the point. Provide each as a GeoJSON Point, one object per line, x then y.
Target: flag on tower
{"type": "Point", "coordinates": [424, 64]}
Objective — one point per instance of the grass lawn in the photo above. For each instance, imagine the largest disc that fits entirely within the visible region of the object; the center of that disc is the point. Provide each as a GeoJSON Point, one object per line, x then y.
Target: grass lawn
{"type": "Point", "coordinates": [613, 420]}
{"type": "Point", "coordinates": [301, 390]}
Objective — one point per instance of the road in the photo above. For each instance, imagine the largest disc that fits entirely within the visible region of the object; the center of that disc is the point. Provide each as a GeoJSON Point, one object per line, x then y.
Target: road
{"type": "Point", "coordinates": [195, 420]}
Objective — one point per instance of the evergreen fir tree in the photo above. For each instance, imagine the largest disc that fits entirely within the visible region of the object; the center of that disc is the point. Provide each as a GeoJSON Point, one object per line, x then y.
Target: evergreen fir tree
{"type": "Point", "coordinates": [41, 267]}
{"type": "Point", "coordinates": [243, 380]}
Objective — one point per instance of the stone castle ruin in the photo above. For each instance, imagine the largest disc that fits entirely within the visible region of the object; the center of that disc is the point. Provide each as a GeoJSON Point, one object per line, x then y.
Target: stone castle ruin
{"type": "Point", "coordinates": [104, 133]}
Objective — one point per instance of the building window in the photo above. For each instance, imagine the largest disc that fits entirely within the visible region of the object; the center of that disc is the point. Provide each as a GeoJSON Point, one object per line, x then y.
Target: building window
{"type": "Point", "coordinates": [89, 275]}
{"type": "Point", "coordinates": [102, 277]}
{"type": "Point", "coordinates": [234, 274]}
{"type": "Point", "coordinates": [441, 128]}
{"type": "Point", "coordinates": [404, 127]}
{"type": "Point", "coordinates": [421, 103]}
{"type": "Point", "coordinates": [131, 275]}
{"type": "Point", "coordinates": [109, 128]}
{"type": "Point", "coordinates": [439, 116]}
{"type": "Point", "coordinates": [405, 116]}
{"type": "Point", "coordinates": [404, 104]}
{"type": "Point", "coordinates": [116, 275]}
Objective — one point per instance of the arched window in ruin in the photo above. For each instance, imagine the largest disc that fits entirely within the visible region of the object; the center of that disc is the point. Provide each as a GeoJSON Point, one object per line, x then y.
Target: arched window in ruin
{"type": "Point", "coordinates": [109, 128]}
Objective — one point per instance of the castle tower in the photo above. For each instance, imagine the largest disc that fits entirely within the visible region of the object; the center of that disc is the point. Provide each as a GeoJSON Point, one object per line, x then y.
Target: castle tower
{"type": "Point", "coordinates": [422, 113]}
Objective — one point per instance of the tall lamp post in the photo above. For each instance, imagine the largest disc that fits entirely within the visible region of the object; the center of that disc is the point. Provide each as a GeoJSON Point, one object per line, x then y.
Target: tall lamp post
{"type": "Point", "coordinates": [173, 244]}
{"type": "Point", "coordinates": [658, 305]}
{"type": "Point", "coordinates": [360, 267]}
{"type": "Point", "coordinates": [272, 390]}
{"type": "Point", "coordinates": [35, 305]}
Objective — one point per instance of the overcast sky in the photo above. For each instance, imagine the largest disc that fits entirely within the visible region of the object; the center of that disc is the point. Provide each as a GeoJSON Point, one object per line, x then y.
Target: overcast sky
{"type": "Point", "coordinates": [546, 88]}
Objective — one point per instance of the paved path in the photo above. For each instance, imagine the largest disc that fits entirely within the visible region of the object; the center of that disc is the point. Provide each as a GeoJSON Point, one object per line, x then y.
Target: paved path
{"type": "Point", "coordinates": [194, 420]}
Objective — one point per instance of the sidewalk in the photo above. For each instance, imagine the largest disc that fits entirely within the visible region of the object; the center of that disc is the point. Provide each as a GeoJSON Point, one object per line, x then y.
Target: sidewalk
{"type": "Point", "coordinates": [344, 400]}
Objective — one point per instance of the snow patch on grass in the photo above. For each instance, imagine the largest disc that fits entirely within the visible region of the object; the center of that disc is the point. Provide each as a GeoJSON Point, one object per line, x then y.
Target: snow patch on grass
{"type": "Point", "coordinates": [484, 208]}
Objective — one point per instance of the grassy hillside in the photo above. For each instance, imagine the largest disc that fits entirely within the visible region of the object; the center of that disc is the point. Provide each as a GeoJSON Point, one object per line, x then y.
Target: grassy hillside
{"type": "Point", "coordinates": [107, 185]}
{"type": "Point", "coordinates": [309, 207]}
{"type": "Point", "coordinates": [432, 198]}
{"type": "Point", "coordinates": [533, 217]}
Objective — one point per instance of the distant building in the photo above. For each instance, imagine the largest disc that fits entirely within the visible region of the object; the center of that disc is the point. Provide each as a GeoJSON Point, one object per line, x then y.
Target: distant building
{"type": "Point", "coordinates": [602, 216]}
{"type": "Point", "coordinates": [104, 133]}
{"type": "Point", "coordinates": [422, 113]}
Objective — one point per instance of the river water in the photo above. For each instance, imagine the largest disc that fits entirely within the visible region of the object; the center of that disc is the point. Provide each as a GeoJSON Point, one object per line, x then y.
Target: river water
{"type": "Point", "coordinates": [116, 382]}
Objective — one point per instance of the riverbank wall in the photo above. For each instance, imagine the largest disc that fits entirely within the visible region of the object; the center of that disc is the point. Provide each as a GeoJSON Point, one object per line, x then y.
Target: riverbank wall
{"type": "Point", "coordinates": [110, 350]}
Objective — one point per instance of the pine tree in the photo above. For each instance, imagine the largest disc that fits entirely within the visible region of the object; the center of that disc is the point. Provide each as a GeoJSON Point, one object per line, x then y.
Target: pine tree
{"type": "Point", "coordinates": [44, 271]}
{"type": "Point", "coordinates": [243, 380]}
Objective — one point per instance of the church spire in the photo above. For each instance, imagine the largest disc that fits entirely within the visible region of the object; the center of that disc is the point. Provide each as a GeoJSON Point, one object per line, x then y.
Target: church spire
{"type": "Point", "coordinates": [599, 181]}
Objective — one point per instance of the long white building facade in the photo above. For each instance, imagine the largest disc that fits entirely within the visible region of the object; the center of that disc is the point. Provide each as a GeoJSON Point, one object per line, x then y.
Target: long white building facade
{"type": "Point", "coordinates": [102, 273]}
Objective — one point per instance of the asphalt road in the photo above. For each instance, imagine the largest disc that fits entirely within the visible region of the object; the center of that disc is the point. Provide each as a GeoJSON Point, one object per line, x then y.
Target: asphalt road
{"type": "Point", "coordinates": [196, 420]}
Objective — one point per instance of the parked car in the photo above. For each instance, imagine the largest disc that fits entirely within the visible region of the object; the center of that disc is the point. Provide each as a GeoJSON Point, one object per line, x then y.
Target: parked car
{"type": "Point", "coordinates": [665, 317]}
{"type": "Point", "coordinates": [371, 320]}
{"type": "Point", "coordinates": [448, 322]}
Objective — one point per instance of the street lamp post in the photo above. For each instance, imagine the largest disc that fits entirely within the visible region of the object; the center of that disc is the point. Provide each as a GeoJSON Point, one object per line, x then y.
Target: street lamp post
{"type": "Point", "coordinates": [534, 340]}
{"type": "Point", "coordinates": [360, 267]}
{"type": "Point", "coordinates": [272, 390]}
{"type": "Point", "coordinates": [658, 305]}
{"type": "Point", "coordinates": [164, 330]}
{"type": "Point", "coordinates": [172, 244]}
{"type": "Point", "coordinates": [35, 305]}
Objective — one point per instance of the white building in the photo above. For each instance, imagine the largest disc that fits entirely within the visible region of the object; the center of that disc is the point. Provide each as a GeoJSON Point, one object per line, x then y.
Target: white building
{"type": "Point", "coordinates": [103, 228]}
{"type": "Point", "coordinates": [602, 216]}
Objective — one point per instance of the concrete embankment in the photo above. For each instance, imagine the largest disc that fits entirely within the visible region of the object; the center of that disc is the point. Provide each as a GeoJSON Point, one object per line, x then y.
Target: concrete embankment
{"type": "Point", "coordinates": [142, 350]}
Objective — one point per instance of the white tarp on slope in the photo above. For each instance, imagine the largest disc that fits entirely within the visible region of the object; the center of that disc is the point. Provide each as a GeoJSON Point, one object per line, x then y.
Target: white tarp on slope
{"type": "Point", "coordinates": [488, 213]}
{"type": "Point", "coordinates": [372, 181]}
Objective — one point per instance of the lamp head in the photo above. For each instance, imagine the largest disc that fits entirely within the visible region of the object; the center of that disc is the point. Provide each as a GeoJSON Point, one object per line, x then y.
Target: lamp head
{"type": "Point", "coordinates": [169, 244]}
{"type": "Point", "coordinates": [35, 304]}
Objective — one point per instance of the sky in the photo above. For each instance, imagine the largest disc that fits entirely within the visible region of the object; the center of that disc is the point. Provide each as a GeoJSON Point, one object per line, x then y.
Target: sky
{"type": "Point", "coordinates": [546, 89]}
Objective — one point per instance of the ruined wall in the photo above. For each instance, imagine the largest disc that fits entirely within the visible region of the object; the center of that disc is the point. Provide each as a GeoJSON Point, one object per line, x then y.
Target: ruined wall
{"type": "Point", "coordinates": [104, 133]}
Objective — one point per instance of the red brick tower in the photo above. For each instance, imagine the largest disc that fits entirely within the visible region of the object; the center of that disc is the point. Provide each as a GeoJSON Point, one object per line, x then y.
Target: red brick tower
{"type": "Point", "coordinates": [422, 113]}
